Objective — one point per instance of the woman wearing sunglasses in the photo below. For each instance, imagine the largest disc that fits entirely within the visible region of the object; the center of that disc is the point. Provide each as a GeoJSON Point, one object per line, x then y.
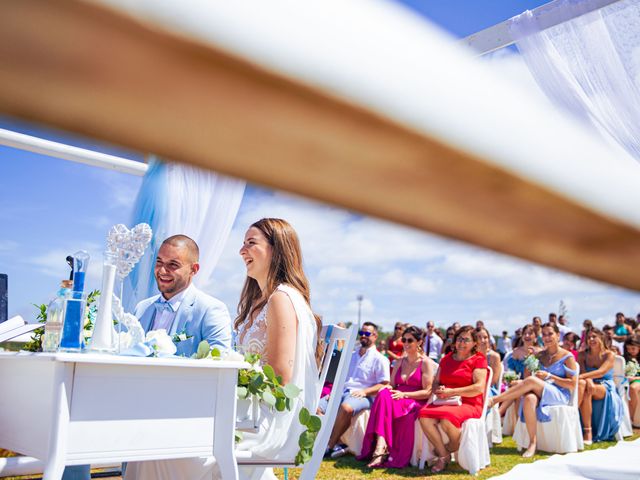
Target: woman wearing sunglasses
{"type": "Point", "coordinates": [462, 373]}
{"type": "Point", "coordinates": [390, 431]}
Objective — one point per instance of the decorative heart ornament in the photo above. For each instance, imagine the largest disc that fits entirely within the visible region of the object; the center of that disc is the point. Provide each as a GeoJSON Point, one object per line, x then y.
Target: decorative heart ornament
{"type": "Point", "coordinates": [128, 245]}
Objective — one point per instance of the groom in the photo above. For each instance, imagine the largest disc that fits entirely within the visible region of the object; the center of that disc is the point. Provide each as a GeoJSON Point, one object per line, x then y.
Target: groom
{"type": "Point", "coordinates": [187, 314]}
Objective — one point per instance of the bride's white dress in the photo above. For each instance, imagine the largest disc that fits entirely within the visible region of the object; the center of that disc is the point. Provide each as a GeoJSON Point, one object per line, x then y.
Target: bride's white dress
{"type": "Point", "coordinates": [277, 436]}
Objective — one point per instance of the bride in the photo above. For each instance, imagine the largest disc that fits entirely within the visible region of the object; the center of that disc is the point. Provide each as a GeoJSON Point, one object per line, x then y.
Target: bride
{"type": "Point", "coordinates": [275, 321]}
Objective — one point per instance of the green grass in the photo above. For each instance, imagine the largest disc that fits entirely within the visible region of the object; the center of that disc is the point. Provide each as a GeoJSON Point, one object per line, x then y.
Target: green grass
{"type": "Point", "coordinates": [503, 458]}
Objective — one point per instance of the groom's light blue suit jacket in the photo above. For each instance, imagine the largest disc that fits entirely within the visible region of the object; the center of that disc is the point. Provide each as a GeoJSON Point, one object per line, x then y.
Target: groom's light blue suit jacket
{"type": "Point", "coordinates": [200, 316]}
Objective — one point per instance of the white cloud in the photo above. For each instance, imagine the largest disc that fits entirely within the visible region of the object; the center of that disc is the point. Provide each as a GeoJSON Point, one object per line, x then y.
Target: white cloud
{"type": "Point", "coordinates": [339, 274]}
{"type": "Point", "coordinates": [410, 283]}
{"type": "Point", "coordinates": [8, 246]}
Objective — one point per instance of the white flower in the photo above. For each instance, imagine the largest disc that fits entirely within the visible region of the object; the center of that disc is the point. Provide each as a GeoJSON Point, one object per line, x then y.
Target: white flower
{"type": "Point", "coordinates": [126, 341]}
{"type": "Point", "coordinates": [232, 356]}
{"type": "Point", "coordinates": [162, 341]}
{"type": "Point", "coordinates": [182, 337]}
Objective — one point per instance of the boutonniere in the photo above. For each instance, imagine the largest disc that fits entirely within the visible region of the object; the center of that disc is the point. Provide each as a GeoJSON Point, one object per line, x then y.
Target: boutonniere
{"type": "Point", "coordinates": [181, 336]}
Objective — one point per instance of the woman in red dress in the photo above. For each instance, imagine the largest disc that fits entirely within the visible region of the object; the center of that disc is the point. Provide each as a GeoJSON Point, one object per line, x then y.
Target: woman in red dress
{"type": "Point", "coordinates": [463, 373]}
{"type": "Point", "coordinates": [395, 349]}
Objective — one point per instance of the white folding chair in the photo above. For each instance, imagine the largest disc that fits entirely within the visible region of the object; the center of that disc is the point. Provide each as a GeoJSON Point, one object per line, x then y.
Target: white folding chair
{"type": "Point", "coordinates": [562, 434]}
{"type": "Point", "coordinates": [510, 416]}
{"type": "Point", "coordinates": [473, 454]}
{"type": "Point", "coordinates": [622, 385]}
{"type": "Point", "coordinates": [494, 426]}
{"type": "Point", "coordinates": [310, 469]}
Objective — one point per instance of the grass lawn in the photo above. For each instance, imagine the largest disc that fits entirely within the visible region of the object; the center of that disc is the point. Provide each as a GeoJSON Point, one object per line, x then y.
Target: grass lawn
{"type": "Point", "coordinates": [503, 458]}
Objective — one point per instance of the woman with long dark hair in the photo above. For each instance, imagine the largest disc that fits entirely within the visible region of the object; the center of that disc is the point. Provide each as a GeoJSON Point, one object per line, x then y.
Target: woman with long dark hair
{"type": "Point", "coordinates": [599, 402]}
{"type": "Point", "coordinates": [388, 440]}
{"type": "Point", "coordinates": [632, 352]}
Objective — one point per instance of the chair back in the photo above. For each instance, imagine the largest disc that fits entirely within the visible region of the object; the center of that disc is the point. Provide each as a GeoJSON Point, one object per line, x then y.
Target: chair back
{"type": "Point", "coordinates": [505, 360]}
{"type": "Point", "coordinates": [332, 334]}
{"type": "Point", "coordinates": [487, 389]}
{"type": "Point", "coordinates": [574, 394]}
{"type": "Point", "coordinates": [618, 370]}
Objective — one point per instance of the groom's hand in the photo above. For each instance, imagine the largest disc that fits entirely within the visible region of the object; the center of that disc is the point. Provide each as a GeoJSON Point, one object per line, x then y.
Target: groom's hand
{"type": "Point", "coordinates": [359, 393]}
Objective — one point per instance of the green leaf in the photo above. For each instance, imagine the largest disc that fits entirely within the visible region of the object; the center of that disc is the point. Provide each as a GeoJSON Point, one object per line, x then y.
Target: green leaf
{"type": "Point", "coordinates": [256, 382]}
{"type": "Point", "coordinates": [238, 436]}
{"type": "Point", "coordinates": [269, 373]}
{"type": "Point", "coordinates": [203, 349]}
{"type": "Point", "coordinates": [268, 398]}
{"type": "Point", "coordinates": [280, 404]}
{"type": "Point", "coordinates": [242, 392]}
{"type": "Point", "coordinates": [314, 423]}
{"type": "Point", "coordinates": [215, 352]}
{"type": "Point", "coordinates": [306, 440]}
{"type": "Point", "coordinates": [291, 390]}
{"type": "Point", "coordinates": [304, 416]}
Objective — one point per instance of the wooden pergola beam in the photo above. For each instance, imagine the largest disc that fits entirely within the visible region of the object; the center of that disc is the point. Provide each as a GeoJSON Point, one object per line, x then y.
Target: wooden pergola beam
{"type": "Point", "coordinates": [105, 75]}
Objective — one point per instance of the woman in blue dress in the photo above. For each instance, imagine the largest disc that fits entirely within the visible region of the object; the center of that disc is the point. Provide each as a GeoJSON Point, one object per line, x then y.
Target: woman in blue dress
{"type": "Point", "coordinates": [515, 362]}
{"type": "Point", "coordinates": [600, 404]}
{"type": "Point", "coordinates": [547, 387]}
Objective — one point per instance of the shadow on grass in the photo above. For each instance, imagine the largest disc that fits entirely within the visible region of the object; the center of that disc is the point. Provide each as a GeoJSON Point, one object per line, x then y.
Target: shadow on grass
{"type": "Point", "coordinates": [350, 463]}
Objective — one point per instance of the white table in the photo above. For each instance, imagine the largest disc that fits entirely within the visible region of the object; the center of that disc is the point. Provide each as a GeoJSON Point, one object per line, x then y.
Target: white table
{"type": "Point", "coordinates": [74, 409]}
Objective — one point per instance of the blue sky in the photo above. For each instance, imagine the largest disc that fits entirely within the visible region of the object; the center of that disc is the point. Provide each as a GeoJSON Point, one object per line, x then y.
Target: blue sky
{"type": "Point", "coordinates": [50, 208]}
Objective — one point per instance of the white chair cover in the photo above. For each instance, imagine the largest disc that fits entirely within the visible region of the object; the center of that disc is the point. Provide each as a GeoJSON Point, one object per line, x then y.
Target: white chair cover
{"type": "Point", "coordinates": [509, 420]}
{"type": "Point", "coordinates": [626, 430]}
{"type": "Point", "coordinates": [473, 454]}
{"type": "Point", "coordinates": [563, 434]}
{"type": "Point", "coordinates": [494, 427]}
{"type": "Point", "coordinates": [354, 436]}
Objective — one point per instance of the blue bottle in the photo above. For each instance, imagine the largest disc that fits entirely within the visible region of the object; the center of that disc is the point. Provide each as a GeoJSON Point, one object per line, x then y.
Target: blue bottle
{"type": "Point", "coordinates": [75, 305]}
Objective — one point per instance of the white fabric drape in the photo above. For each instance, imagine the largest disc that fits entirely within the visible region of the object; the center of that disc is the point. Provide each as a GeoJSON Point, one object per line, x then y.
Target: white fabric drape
{"type": "Point", "coordinates": [590, 65]}
{"type": "Point", "coordinates": [179, 199]}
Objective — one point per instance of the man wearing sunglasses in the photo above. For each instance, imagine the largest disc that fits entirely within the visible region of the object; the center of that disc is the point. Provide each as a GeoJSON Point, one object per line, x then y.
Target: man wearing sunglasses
{"type": "Point", "coordinates": [368, 373]}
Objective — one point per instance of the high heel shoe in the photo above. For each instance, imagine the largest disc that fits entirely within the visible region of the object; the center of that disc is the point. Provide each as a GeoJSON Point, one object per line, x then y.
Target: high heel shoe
{"type": "Point", "coordinates": [587, 433]}
{"type": "Point", "coordinates": [440, 464]}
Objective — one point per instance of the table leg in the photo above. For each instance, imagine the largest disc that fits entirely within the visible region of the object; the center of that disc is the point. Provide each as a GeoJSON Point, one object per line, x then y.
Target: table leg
{"type": "Point", "coordinates": [62, 381]}
{"type": "Point", "coordinates": [224, 431]}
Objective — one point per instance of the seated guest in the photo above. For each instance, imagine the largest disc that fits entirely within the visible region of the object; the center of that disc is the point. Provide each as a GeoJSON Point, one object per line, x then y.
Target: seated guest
{"type": "Point", "coordinates": [493, 358]}
{"type": "Point", "coordinates": [610, 341]}
{"type": "Point", "coordinates": [599, 402]}
{"type": "Point", "coordinates": [632, 352]}
{"type": "Point", "coordinates": [462, 373]}
{"type": "Point", "coordinates": [368, 373]}
{"type": "Point", "coordinates": [570, 342]}
{"type": "Point", "coordinates": [394, 343]}
{"type": "Point", "coordinates": [393, 414]}
{"type": "Point", "coordinates": [515, 363]}
{"type": "Point", "coordinates": [448, 340]}
{"type": "Point", "coordinates": [504, 344]}
{"type": "Point", "coordinates": [587, 325]}
{"type": "Point", "coordinates": [549, 386]}
{"type": "Point", "coordinates": [432, 342]}
{"type": "Point", "coordinates": [621, 329]}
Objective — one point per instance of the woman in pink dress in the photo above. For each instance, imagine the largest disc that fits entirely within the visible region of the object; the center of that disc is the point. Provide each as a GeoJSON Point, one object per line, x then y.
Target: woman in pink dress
{"type": "Point", "coordinates": [388, 440]}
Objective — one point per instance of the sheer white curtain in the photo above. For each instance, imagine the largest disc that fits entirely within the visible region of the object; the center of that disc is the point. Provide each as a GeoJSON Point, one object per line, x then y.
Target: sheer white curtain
{"type": "Point", "coordinates": [590, 65]}
{"type": "Point", "coordinates": [179, 199]}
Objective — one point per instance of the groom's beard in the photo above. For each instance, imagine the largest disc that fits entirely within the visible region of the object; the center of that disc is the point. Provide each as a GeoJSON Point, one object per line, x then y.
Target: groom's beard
{"type": "Point", "coordinates": [365, 342]}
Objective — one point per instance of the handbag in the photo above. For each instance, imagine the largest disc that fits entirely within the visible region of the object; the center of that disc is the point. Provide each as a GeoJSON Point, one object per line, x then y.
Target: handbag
{"type": "Point", "coordinates": [455, 401]}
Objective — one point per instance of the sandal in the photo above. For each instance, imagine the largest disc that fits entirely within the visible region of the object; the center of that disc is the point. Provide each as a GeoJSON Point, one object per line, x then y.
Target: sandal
{"type": "Point", "coordinates": [587, 432]}
{"type": "Point", "coordinates": [440, 464]}
{"type": "Point", "coordinates": [377, 460]}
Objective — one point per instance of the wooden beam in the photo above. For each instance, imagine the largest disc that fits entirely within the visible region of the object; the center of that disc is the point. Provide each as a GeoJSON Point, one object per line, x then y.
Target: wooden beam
{"type": "Point", "coordinates": [90, 70]}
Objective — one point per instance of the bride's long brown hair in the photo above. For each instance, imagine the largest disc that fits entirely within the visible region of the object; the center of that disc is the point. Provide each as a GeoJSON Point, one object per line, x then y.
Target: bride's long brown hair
{"type": "Point", "coordinates": [286, 267]}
